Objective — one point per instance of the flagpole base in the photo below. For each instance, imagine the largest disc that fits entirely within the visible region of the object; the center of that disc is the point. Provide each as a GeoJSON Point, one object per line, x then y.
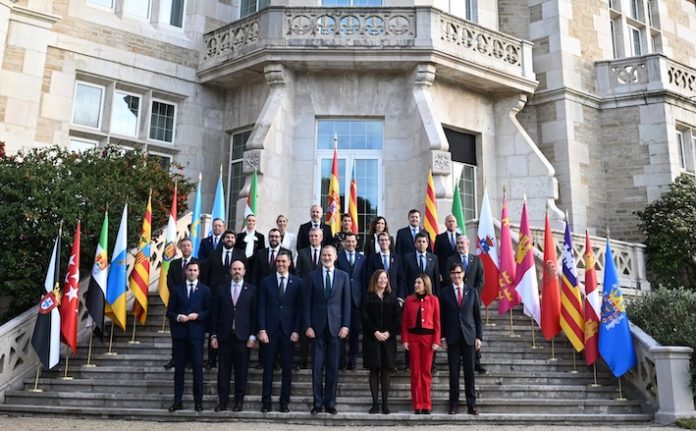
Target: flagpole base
{"type": "Point", "coordinates": [134, 342]}
{"type": "Point", "coordinates": [513, 335]}
{"type": "Point", "coordinates": [89, 366]}
{"type": "Point", "coordinates": [163, 331]}
{"type": "Point", "coordinates": [595, 385]}
{"type": "Point", "coordinates": [67, 378]}
{"type": "Point", "coordinates": [573, 371]}
{"type": "Point", "coordinates": [35, 390]}
{"type": "Point", "coordinates": [553, 359]}
{"type": "Point", "coordinates": [537, 347]}
{"type": "Point", "coordinates": [619, 399]}
{"type": "Point", "coordinates": [111, 354]}
{"type": "Point", "coordinates": [491, 324]}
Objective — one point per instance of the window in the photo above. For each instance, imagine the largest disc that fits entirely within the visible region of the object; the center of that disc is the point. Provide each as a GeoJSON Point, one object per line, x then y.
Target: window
{"type": "Point", "coordinates": [162, 119]}
{"type": "Point", "coordinates": [172, 12]}
{"type": "Point", "coordinates": [355, 3]}
{"type": "Point", "coordinates": [109, 4]}
{"type": "Point", "coordinates": [236, 178]}
{"type": "Point", "coordinates": [164, 160]}
{"type": "Point", "coordinates": [79, 145]}
{"type": "Point", "coordinates": [637, 9]}
{"type": "Point", "coordinates": [634, 28]}
{"type": "Point", "coordinates": [125, 114]}
{"type": "Point", "coordinates": [87, 105]}
{"type": "Point", "coordinates": [138, 8]}
{"type": "Point", "coordinates": [463, 149]}
{"type": "Point", "coordinates": [680, 149]}
{"type": "Point", "coordinates": [248, 7]}
{"type": "Point", "coordinates": [470, 16]}
{"type": "Point", "coordinates": [360, 144]}
{"type": "Point", "coordinates": [636, 41]}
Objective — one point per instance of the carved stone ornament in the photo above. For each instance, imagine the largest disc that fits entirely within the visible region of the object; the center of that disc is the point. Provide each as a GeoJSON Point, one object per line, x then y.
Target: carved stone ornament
{"type": "Point", "coordinates": [252, 160]}
{"type": "Point", "coordinates": [441, 162]}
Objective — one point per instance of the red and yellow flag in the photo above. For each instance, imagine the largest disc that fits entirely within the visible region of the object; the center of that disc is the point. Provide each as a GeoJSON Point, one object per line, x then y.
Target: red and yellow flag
{"type": "Point", "coordinates": [508, 296]}
{"type": "Point", "coordinates": [353, 202]}
{"type": "Point", "coordinates": [430, 222]}
{"type": "Point", "coordinates": [139, 281]}
{"type": "Point", "coordinates": [333, 213]}
{"type": "Point", "coordinates": [593, 305]}
{"type": "Point", "coordinates": [550, 292]}
{"type": "Point", "coordinates": [572, 320]}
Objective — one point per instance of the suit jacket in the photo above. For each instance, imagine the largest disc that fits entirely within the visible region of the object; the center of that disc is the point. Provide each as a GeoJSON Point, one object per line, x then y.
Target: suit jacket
{"type": "Point", "coordinates": [179, 303]}
{"type": "Point", "coordinates": [214, 272]}
{"type": "Point", "coordinates": [327, 314]}
{"type": "Point", "coordinates": [430, 315]}
{"type": "Point", "coordinates": [405, 242]}
{"type": "Point", "coordinates": [176, 274]}
{"type": "Point", "coordinates": [243, 314]}
{"type": "Point", "coordinates": [303, 235]}
{"type": "Point", "coordinates": [369, 248]}
{"type": "Point", "coordinates": [280, 314]}
{"type": "Point", "coordinates": [474, 276]}
{"type": "Point", "coordinates": [260, 267]}
{"type": "Point", "coordinates": [396, 276]}
{"type": "Point", "coordinates": [464, 320]}
{"type": "Point", "coordinates": [443, 250]}
{"type": "Point", "coordinates": [355, 274]}
{"type": "Point", "coordinates": [206, 247]}
{"type": "Point", "coordinates": [305, 264]}
{"type": "Point", "coordinates": [411, 268]}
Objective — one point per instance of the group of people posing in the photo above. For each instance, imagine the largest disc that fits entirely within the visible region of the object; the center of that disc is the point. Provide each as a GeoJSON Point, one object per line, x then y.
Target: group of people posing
{"type": "Point", "coordinates": [318, 292]}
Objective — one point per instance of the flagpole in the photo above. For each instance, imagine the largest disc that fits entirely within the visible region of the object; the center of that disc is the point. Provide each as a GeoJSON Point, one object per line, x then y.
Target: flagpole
{"type": "Point", "coordinates": [575, 367]}
{"type": "Point", "coordinates": [164, 320]}
{"type": "Point", "coordinates": [89, 351]}
{"type": "Point", "coordinates": [111, 341]}
{"type": "Point", "coordinates": [36, 380]}
{"type": "Point", "coordinates": [553, 350]}
{"type": "Point", "coordinates": [595, 384]}
{"type": "Point", "coordinates": [512, 332]}
{"type": "Point", "coordinates": [67, 362]}
{"type": "Point", "coordinates": [488, 323]}
{"type": "Point", "coordinates": [535, 346]}
{"type": "Point", "coordinates": [133, 340]}
{"type": "Point", "coordinates": [621, 397]}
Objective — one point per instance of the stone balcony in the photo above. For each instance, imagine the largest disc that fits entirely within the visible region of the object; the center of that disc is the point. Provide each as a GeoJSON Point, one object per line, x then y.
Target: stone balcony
{"type": "Point", "coordinates": [654, 73]}
{"type": "Point", "coordinates": [370, 39]}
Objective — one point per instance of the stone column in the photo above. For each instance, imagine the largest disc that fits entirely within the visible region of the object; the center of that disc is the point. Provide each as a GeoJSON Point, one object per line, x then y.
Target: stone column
{"type": "Point", "coordinates": [673, 391]}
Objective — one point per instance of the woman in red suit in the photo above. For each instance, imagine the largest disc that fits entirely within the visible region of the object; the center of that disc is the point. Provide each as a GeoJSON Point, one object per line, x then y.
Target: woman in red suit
{"type": "Point", "coordinates": [420, 335]}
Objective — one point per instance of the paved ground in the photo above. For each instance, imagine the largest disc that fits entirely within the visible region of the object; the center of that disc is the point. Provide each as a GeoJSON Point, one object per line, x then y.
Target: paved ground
{"type": "Point", "coordinates": [44, 424]}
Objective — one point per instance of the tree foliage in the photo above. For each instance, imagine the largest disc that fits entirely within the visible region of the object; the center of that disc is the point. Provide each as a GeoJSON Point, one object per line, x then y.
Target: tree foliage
{"type": "Point", "coordinates": [40, 188]}
{"type": "Point", "coordinates": [669, 227]}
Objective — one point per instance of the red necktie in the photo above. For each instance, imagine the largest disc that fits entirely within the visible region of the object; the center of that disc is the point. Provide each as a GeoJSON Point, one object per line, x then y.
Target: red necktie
{"type": "Point", "coordinates": [459, 296]}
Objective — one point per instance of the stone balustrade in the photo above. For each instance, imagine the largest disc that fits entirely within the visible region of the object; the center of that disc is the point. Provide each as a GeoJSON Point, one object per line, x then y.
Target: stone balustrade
{"type": "Point", "coordinates": [653, 72]}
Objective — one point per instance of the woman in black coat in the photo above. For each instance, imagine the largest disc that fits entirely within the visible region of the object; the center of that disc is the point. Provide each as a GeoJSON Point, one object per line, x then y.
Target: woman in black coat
{"type": "Point", "coordinates": [377, 226]}
{"type": "Point", "coordinates": [381, 317]}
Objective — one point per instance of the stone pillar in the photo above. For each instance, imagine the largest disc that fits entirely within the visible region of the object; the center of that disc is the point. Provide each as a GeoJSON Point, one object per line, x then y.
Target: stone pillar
{"type": "Point", "coordinates": [673, 391]}
{"type": "Point", "coordinates": [206, 225]}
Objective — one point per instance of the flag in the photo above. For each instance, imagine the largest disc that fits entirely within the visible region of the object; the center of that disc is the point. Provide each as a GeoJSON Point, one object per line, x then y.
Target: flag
{"type": "Point", "coordinates": [458, 209]}
{"type": "Point", "coordinates": [195, 229]}
{"type": "Point", "coordinates": [593, 305]}
{"type": "Point", "coordinates": [169, 251]}
{"type": "Point", "coordinates": [252, 198]}
{"type": "Point", "coordinates": [218, 203]}
{"type": "Point", "coordinates": [526, 282]}
{"type": "Point", "coordinates": [507, 295]}
{"type": "Point", "coordinates": [96, 292]}
{"type": "Point", "coordinates": [615, 339]}
{"type": "Point", "coordinates": [550, 295]}
{"type": "Point", "coordinates": [430, 222]}
{"type": "Point", "coordinates": [353, 202]}
{"type": "Point", "coordinates": [117, 281]}
{"type": "Point", "coordinates": [46, 336]}
{"type": "Point", "coordinates": [333, 214]}
{"type": "Point", "coordinates": [70, 300]}
{"type": "Point", "coordinates": [572, 322]}
{"type": "Point", "coordinates": [139, 282]}
{"type": "Point", "coordinates": [487, 250]}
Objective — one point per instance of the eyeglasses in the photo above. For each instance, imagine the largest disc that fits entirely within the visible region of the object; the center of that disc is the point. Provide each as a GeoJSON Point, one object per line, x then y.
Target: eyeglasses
{"type": "Point", "coordinates": [456, 272]}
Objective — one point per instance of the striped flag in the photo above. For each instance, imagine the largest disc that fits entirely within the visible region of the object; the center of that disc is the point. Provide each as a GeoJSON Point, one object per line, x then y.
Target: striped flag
{"type": "Point", "coordinates": [572, 322]}
{"type": "Point", "coordinates": [46, 337]}
{"type": "Point", "coordinates": [252, 198]}
{"type": "Point", "coordinates": [507, 295]}
{"type": "Point", "coordinates": [526, 282]}
{"type": "Point", "coordinates": [593, 305]}
{"type": "Point", "coordinates": [458, 209]}
{"type": "Point", "coordinates": [550, 295]}
{"type": "Point", "coordinates": [218, 210]}
{"type": "Point", "coordinates": [117, 281]}
{"type": "Point", "coordinates": [169, 252]}
{"type": "Point", "coordinates": [353, 202]}
{"type": "Point", "coordinates": [333, 213]}
{"type": "Point", "coordinates": [139, 282]}
{"type": "Point", "coordinates": [487, 250]}
{"type": "Point", "coordinates": [430, 222]}
{"type": "Point", "coordinates": [70, 302]}
{"type": "Point", "coordinates": [195, 229]}
{"type": "Point", "coordinates": [95, 297]}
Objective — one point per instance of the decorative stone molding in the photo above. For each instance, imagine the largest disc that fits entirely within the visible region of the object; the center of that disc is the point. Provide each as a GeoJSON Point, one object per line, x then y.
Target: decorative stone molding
{"type": "Point", "coordinates": [681, 77]}
{"type": "Point", "coordinates": [441, 162]}
{"type": "Point", "coordinates": [351, 26]}
{"type": "Point", "coordinates": [252, 160]}
{"type": "Point", "coordinates": [231, 38]}
{"type": "Point", "coordinates": [425, 75]}
{"type": "Point", "coordinates": [275, 74]}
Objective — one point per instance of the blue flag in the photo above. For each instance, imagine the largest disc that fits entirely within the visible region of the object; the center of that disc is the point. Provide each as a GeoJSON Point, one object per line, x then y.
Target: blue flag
{"type": "Point", "coordinates": [117, 280]}
{"type": "Point", "coordinates": [196, 221]}
{"type": "Point", "coordinates": [615, 340]}
{"type": "Point", "coordinates": [219, 203]}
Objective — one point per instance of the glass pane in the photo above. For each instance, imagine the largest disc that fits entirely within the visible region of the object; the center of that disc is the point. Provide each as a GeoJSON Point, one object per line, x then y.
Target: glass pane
{"type": "Point", "coordinates": [139, 8]}
{"type": "Point", "coordinates": [367, 3]}
{"type": "Point", "coordinates": [239, 144]}
{"type": "Point", "coordinates": [367, 179]}
{"type": "Point", "coordinates": [87, 111]}
{"type": "Point", "coordinates": [103, 3]}
{"type": "Point", "coordinates": [326, 177]}
{"type": "Point", "coordinates": [467, 188]}
{"type": "Point", "coordinates": [239, 141]}
{"type": "Point", "coordinates": [335, 2]}
{"type": "Point", "coordinates": [124, 117]}
{"type": "Point", "coordinates": [164, 161]}
{"type": "Point", "coordinates": [635, 36]}
{"type": "Point", "coordinates": [172, 12]}
{"type": "Point", "coordinates": [680, 149]}
{"type": "Point", "coordinates": [352, 134]}
{"type": "Point", "coordinates": [162, 122]}
{"type": "Point", "coordinates": [79, 145]}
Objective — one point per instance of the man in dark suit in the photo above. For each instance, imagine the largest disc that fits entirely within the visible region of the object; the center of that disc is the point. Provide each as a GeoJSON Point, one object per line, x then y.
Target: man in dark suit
{"type": "Point", "coordinates": [280, 323]}
{"type": "Point", "coordinates": [462, 332]}
{"type": "Point", "coordinates": [188, 312]}
{"type": "Point", "coordinates": [216, 271]}
{"type": "Point", "coordinates": [420, 261]}
{"type": "Point", "coordinates": [250, 242]}
{"type": "Point", "coordinates": [212, 242]}
{"type": "Point", "coordinates": [353, 263]}
{"type": "Point", "coordinates": [234, 334]}
{"type": "Point", "coordinates": [265, 262]}
{"type": "Point", "coordinates": [446, 246]}
{"type": "Point", "coordinates": [308, 261]}
{"type": "Point", "coordinates": [316, 213]}
{"type": "Point", "coordinates": [176, 276]}
{"type": "Point", "coordinates": [346, 228]}
{"type": "Point", "coordinates": [387, 261]}
{"type": "Point", "coordinates": [406, 236]}
{"type": "Point", "coordinates": [327, 320]}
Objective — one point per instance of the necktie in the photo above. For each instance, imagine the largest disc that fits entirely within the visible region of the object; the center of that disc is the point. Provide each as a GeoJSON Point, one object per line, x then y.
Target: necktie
{"type": "Point", "coordinates": [351, 259]}
{"type": "Point", "coordinates": [190, 290]}
{"type": "Point", "coordinates": [215, 242]}
{"type": "Point", "coordinates": [183, 267]}
{"type": "Point", "coordinates": [413, 233]}
{"type": "Point", "coordinates": [314, 259]}
{"type": "Point", "coordinates": [459, 297]}
{"type": "Point", "coordinates": [452, 241]}
{"type": "Point", "coordinates": [327, 285]}
{"type": "Point", "coordinates": [271, 260]}
{"type": "Point", "coordinates": [235, 293]}
{"type": "Point", "coordinates": [422, 263]}
{"type": "Point", "coordinates": [227, 259]}
{"type": "Point", "coordinates": [465, 261]}
{"type": "Point", "coordinates": [385, 262]}
{"type": "Point", "coordinates": [281, 288]}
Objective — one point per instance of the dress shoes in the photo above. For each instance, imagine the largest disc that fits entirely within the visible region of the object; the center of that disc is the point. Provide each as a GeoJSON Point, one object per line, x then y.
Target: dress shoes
{"type": "Point", "coordinates": [176, 406]}
{"type": "Point", "coordinates": [265, 408]}
{"type": "Point", "coordinates": [210, 364]}
{"type": "Point", "coordinates": [472, 411]}
{"type": "Point", "coordinates": [374, 409]}
{"type": "Point", "coordinates": [284, 408]}
{"type": "Point", "coordinates": [453, 410]}
{"type": "Point", "coordinates": [169, 365]}
{"type": "Point", "coordinates": [385, 409]}
{"type": "Point", "coordinates": [199, 407]}
{"type": "Point", "coordinates": [425, 412]}
{"type": "Point", "coordinates": [315, 410]}
{"type": "Point", "coordinates": [481, 370]}
{"type": "Point", "coordinates": [221, 407]}
{"type": "Point", "coordinates": [238, 406]}
{"type": "Point", "coordinates": [417, 412]}
{"type": "Point", "coordinates": [331, 410]}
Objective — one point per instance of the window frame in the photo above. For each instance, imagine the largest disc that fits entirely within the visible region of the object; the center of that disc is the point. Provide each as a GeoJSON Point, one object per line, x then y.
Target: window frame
{"type": "Point", "coordinates": [134, 16]}
{"type": "Point", "coordinates": [149, 122]}
{"type": "Point", "coordinates": [632, 32]}
{"type": "Point", "coordinates": [100, 120]}
{"type": "Point", "coordinates": [84, 141]}
{"type": "Point", "coordinates": [233, 195]}
{"type": "Point", "coordinates": [138, 119]}
{"type": "Point", "coordinates": [102, 7]}
{"type": "Point", "coordinates": [166, 20]}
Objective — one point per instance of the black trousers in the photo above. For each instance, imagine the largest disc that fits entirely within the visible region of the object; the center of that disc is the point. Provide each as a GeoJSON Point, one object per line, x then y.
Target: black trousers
{"type": "Point", "coordinates": [460, 355]}
{"type": "Point", "coordinates": [232, 352]}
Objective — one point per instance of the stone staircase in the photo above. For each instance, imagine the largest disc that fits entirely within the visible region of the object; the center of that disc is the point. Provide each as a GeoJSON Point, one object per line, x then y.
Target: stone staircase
{"type": "Point", "coordinates": [522, 386]}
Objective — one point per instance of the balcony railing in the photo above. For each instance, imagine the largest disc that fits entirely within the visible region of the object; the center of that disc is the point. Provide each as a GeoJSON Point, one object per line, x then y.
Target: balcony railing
{"type": "Point", "coordinates": [653, 72]}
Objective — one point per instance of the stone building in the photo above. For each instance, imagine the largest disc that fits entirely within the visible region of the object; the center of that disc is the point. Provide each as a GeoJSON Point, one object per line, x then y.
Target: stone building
{"type": "Point", "coordinates": [586, 107]}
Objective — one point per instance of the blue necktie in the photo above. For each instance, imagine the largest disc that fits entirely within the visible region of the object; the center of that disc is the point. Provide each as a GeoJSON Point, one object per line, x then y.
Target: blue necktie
{"type": "Point", "coordinates": [385, 262]}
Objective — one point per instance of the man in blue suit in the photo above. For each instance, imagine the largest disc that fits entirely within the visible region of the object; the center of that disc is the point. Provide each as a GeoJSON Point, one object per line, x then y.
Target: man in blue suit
{"type": "Point", "coordinates": [188, 312]}
{"type": "Point", "coordinates": [419, 261]}
{"type": "Point", "coordinates": [280, 323]}
{"type": "Point", "coordinates": [353, 263]}
{"type": "Point", "coordinates": [406, 236]}
{"type": "Point", "coordinates": [212, 242]}
{"type": "Point", "coordinates": [387, 261]}
{"type": "Point", "coordinates": [233, 333]}
{"type": "Point", "coordinates": [327, 321]}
